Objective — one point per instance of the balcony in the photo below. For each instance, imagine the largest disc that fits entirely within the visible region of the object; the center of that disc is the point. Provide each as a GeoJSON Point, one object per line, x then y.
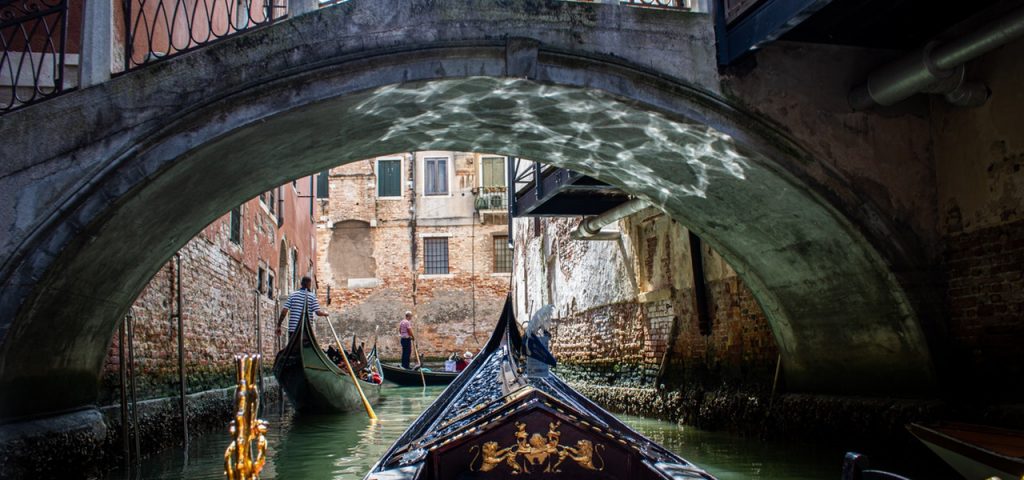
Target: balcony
{"type": "Point", "coordinates": [492, 205]}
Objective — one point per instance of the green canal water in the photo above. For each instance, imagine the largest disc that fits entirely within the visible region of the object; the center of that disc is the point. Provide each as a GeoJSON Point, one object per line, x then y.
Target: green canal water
{"type": "Point", "coordinates": [345, 446]}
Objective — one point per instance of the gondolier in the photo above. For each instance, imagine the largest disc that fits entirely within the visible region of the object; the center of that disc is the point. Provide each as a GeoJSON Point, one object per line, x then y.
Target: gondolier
{"type": "Point", "coordinates": [406, 337]}
{"type": "Point", "coordinates": [293, 307]}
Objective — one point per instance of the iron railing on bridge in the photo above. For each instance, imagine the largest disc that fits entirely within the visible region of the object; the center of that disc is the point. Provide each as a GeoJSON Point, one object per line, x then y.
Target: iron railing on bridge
{"type": "Point", "coordinates": [33, 34]}
{"type": "Point", "coordinates": [158, 29]}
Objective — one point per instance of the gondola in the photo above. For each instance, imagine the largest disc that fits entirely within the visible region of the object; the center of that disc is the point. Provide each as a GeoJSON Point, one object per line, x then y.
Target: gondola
{"type": "Point", "coordinates": [312, 382]}
{"type": "Point", "coordinates": [975, 451]}
{"type": "Point", "coordinates": [507, 416]}
{"type": "Point", "coordinates": [411, 378]}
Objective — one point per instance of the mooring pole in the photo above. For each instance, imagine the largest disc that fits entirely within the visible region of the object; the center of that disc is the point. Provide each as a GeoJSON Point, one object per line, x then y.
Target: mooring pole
{"type": "Point", "coordinates": [131, 382]}
{"type": "Point", "coordinates": [259, 343]}
{"type": "Point", "coordinates": [123, 362]}
{"type": "Point", "coordinates": [181, 354]}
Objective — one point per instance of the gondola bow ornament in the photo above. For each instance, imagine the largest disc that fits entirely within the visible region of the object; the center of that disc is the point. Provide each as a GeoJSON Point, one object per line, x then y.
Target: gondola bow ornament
{"type": "Point", "coordinates": [247, 453]}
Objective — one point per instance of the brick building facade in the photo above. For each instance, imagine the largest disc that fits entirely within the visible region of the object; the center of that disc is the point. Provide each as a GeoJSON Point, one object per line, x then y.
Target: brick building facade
{"type": "Point", "coordinates": [625, 311]}
{"type": "Point", "coordinates": [420, 231]}
{"type": "Point", "coordinates": [233, 275]}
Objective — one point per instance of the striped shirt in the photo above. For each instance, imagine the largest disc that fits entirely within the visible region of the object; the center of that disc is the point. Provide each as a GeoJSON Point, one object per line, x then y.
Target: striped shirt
{"type": "Point", "coordinates": [294, 306]}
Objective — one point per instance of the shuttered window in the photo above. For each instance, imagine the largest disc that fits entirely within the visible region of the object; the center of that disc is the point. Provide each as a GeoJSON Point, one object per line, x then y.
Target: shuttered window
{"type": "Point", "coordinates": [502, 255]}
{"type": "Point", "coordinates": [435, 255]}
{"type": "Point", "coordinates": [493, 172]}
{"type": "Point", "coordinates": [389, 178]}
{"type": "Point", "coordinates": [435, 173]}
{"type": "Point", "coordinates": [236, 225]}
{"type": "Point", "coordinates": [323, 184]}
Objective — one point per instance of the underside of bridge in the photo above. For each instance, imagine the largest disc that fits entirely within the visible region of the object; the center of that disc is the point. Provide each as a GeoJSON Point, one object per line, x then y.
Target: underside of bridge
{"type": "Point", "coordinates": [131, 185]}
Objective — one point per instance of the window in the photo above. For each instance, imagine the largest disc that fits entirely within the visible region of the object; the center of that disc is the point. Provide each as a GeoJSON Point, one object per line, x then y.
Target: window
{"type": "Point", "coordinates": [272, 199]}
{"type": "Point", "coordinates": [502, 255]}
{"type": "Point", "coordinates": [435, 255]}
{"type": "Point", "coordinates": [389, 178]}
{"type": "Point", "coordinates": [236, 225]}
{"type": "Point", "coordinates": [262, 274]}
{"type": "Point", "coordinates": [270, 285]}
{"type": "Point", "coordinates": [323, 184]}
{"type": "Point", "coordinates": [295, 268]}
{"type": "Point", "coordinates": [435, 174]}
{"type": "Point", "coordinates": [492, 172]}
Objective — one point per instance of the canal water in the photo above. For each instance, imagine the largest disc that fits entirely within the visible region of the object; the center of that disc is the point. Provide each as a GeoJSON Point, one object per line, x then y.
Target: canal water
{"type": "Point", "coordinates": [345, 446]}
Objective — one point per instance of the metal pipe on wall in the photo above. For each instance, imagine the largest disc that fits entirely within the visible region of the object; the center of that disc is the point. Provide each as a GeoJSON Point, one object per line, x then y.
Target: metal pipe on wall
{"type": "Point", "coordinates": [590, 228]}
{"type": "Point", "coordinates": [939, 68]}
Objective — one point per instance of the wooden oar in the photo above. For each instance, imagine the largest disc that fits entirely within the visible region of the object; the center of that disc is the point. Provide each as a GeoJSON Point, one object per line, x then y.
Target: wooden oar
{"type": "Point", "coordinates": [419, 361]}
{"type": "Point", "coordinates": [366, 403]}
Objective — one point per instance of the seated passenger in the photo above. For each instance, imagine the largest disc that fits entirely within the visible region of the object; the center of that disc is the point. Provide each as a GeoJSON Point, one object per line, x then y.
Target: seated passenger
{"type": "Point", "coordinates": [461, 363]}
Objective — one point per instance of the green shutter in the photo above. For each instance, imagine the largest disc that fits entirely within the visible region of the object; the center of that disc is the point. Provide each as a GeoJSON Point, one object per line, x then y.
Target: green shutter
{"type": "Point", "coordinates": [493, 172]}
{"type": "Point", "coordinates": [389, 178]}
{"type": "Point", "coordinates": [323, 185]}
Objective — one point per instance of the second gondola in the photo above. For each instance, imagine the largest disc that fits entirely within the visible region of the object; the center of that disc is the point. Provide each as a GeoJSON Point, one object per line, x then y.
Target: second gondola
{"type": "Point", "coordinates": [314, 383]}
{"type": "Point", "coordinates": [408, 377]}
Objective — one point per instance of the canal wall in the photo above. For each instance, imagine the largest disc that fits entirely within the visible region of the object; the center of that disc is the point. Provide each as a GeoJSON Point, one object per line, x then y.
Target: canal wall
{"type": "Point", "coordinates": [979, 158]}
{"type": "Point", "coordinates": [951, 177]}
{"type": "Point", "coordinates": [626, 311]}
{"type": "Point", "coordinates": [233, 275]}
{"type": "Point", "coordinates": [86, 443]}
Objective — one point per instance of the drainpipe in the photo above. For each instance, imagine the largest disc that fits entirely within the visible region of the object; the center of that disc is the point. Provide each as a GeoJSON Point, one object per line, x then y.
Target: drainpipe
{"type": "Point", "coordinates": [590, 228]}
{"type": "Point", "coordinates": [939, 68]}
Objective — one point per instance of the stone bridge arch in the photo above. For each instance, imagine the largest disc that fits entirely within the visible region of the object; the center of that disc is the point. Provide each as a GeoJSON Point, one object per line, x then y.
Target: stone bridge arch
{"type": "Point", "coordinates": [128, 171]}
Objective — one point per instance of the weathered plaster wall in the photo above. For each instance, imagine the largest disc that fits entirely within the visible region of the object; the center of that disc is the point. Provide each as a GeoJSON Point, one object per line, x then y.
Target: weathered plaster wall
{"type": "Point", "coordinates": [803, 88]}
{"type": "Point", "coordinates": [979, 157]}
{"type": "Point", "coordinates": [453, 312]}
{"type": "Point", "coordinates": [625, 311]}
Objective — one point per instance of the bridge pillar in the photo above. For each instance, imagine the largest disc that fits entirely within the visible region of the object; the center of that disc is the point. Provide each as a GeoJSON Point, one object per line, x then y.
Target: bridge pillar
{"type": "Point", "coordinates": [300, 7]}
{"type": "Point", "coordinates": [97, 43]}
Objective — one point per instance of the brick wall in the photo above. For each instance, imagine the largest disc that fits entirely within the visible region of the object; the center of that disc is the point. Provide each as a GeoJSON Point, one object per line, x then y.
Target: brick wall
{"type": "Point", "coordinates": [625, 310]}
{"type": "Point", "coordinates": [979, 173]}
{"type": "Point", "coordinates": [986, 305]}
{"type": "Point", "coordinates": [373, 283]}
{"type": "Point", "coordinates": [219, 301]}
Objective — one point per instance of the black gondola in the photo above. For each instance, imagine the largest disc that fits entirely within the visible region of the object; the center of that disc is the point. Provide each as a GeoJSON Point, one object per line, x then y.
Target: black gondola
{"type": "Point", "coordinates": [495, 421]}
{"type": "Point", "coordinates": [411, 378]}
{"type": "Point", "coordinates": [312, 382]}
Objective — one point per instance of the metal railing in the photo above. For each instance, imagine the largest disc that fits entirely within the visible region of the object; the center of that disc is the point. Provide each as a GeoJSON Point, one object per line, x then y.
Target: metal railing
{"type": "Point", "coordinates": [667, 4]}
{"type": "Point", "coordinates": [159, 29]}
{"type": "Point", "coordinates": [33, 35]}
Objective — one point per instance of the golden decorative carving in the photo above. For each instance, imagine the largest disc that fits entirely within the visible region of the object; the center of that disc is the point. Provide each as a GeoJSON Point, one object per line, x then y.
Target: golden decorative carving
{"type": "Point", "coordinates": [247, 453]}
{"type": "Point", "coordinates": [536, 451]}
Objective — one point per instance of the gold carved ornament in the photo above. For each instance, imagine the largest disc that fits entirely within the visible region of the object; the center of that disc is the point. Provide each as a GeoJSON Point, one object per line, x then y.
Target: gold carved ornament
{"type": "Point", "coordinates": [247, 453]}
{"type": "Point", "coordinates": [536, 451]}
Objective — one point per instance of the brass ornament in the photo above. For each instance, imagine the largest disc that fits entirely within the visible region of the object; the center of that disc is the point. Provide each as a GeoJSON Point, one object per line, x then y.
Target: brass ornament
{"type": "Point", "coordinates": [537, 452]}
{"type": "Point", "coordinates": [247, 453]}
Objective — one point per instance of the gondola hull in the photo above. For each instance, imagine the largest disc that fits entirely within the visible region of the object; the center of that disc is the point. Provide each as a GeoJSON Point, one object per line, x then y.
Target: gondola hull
{"type": "Point", "coordinates": [975, 451]}
{"type": "Point", "coordinates": [411, 378]}
{"type": "Point", "coordinates": [312, 382]}
{"type": "Point", "coordinates": [505, 417]}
